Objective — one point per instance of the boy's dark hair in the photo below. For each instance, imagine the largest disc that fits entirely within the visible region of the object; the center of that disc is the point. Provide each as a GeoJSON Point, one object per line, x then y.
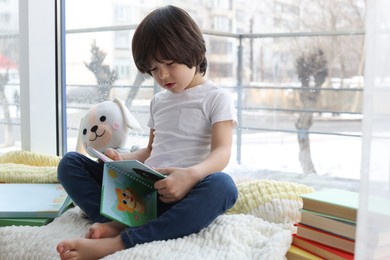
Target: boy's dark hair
{"type": "Point", "coordinates": [169, 33]}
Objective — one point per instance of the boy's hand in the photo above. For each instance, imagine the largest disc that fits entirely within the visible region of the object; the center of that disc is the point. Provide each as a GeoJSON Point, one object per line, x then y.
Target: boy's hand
{"type": "Point", "coordinates": [177, 185]}
{"type": "Point", "coordinates": [113, 154]}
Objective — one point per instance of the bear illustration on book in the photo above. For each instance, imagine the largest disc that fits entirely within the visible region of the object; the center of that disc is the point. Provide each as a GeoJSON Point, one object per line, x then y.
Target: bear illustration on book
{"type": "Point", "coordinates": [128, 194]}
{"type": "Point", "coordinates": [129, 201]}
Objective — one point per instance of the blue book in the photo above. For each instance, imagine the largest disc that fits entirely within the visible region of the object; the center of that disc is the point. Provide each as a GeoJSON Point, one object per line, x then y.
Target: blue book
{"type": "Point", "coordinates": [32, 200]}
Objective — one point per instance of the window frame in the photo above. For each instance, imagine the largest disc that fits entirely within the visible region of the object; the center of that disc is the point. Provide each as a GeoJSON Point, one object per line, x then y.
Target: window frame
{"type": "Point", "coordinates": [39, 76]}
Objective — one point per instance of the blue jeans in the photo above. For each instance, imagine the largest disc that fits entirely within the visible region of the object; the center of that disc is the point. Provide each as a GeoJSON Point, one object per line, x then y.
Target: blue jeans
{"type": "Point", "coordinates": [211, 197]}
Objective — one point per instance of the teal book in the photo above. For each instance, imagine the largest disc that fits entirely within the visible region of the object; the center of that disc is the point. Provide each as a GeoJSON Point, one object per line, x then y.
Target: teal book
{"type": "Point", "coordinates": [32, 200]}
{"type": "Point", "coordinates": [128, 193]}
{"type": "Point", "coordinates": [334, 202]}
{"type": "Point", "coordinates": [344, 204]}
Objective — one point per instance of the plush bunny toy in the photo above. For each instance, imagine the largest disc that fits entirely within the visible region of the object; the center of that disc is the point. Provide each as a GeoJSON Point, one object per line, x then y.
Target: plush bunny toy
{"type": "Point", "coordinates": [105, 125]}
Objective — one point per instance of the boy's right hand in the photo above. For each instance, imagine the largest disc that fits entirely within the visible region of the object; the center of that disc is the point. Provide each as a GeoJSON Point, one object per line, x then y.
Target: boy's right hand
{"type": "Point", "coordinates": [179, 182]}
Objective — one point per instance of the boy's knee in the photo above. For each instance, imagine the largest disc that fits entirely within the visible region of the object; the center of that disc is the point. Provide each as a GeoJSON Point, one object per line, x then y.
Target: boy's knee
{"type": "Point", "coordinates": [223, 180]}
{"type": "Point", "coordinates": [68, 159]}
{"type": "Point", "coordinates": [223, 184]}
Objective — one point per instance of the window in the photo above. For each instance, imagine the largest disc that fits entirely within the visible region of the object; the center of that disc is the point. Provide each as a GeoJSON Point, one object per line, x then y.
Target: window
{"type": "Point", "coordinates": [122, 67]}
{"type": "Point", "coordinates": [222, 4]}
{"type": "Point", "coordinates": [122, 40]}
{"type": "Point", "coordinates": [286, 8]}
{"type": "Point", "coordinates": [221, 70]}
{"type": "Point", "coordinates": [9, 77]}
{"type": "Point", "coordinates": [222, 24]}
{"type": "Point", "coordinates": [270, 100]}
{"type": "Point", "coordinates": [122, 12]}
{"type": "Point", "coordinates": [5, 18]}
{"type": "Point", "coordinates": [220, 47]}
{"type": "Point", "coordinates": [23, 87]}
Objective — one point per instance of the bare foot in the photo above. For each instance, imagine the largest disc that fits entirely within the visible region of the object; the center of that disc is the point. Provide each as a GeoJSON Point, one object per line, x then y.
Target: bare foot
{"type": "Point", "coordinates": [105, 230]}
{"type": "Point", "coordinates": [85, 249]}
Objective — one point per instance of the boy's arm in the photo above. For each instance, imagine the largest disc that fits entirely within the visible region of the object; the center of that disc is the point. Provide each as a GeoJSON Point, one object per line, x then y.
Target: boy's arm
{"type": "Point", "coordinates": [180, 181]}
{"type": "Point", "coordinates": [221, 144]}
{"type": "Point", "coordinates": [140, 155]}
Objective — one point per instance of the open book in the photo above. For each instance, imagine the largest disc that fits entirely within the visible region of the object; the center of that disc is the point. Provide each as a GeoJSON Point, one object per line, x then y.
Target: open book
{"type": "Point", "coordinates": [128, 193]}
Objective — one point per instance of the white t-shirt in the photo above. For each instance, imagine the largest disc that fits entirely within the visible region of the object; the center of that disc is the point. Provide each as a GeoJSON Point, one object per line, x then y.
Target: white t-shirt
{"type": "Point", "coordinates": [182, 124]}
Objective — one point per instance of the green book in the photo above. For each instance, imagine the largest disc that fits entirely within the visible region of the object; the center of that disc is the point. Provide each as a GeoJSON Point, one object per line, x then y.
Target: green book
{"type": "Point", "coordinates": [128, 193]}
{"type": "Point", "coordinates": [24, 221]}
{"type": "Point", "coordinates": [344, 204]}
{"type": "Point", "coordinates": [335, 202]}
{"type": "Point", "coordinates": [32, 200]}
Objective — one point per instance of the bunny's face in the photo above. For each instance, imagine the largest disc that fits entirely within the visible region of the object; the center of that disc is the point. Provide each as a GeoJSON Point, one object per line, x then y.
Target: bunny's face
{"type": "Point", "coordinates": [103, 126]}
{"type": "Point", "coordinates": [106, 125]}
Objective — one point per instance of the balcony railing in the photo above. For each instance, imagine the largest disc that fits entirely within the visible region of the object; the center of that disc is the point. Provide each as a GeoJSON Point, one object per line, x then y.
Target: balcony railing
{"type": "Point", "coordinates": [241, 89]}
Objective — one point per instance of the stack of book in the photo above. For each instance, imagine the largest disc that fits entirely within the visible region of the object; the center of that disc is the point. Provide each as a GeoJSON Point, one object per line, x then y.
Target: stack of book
{"type": "Point", "coordinates": [328, 224]}
{"type": "Point", "coordinates": [31, 204]}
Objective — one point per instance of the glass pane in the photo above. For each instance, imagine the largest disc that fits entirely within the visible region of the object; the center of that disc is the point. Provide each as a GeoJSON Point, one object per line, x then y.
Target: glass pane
{"type": "Point", "coordinates": [302, 103]}
{"type": "Point", "coordinates": [120, 80]}
{"type": "Point", "coordinates": [9, 76]}
{"type": "Point", "coordinates": [297, 78]}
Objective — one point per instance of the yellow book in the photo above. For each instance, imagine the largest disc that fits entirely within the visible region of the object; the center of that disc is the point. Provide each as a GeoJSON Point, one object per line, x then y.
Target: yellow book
{"type": "Point", "coordinates": [296, 253]}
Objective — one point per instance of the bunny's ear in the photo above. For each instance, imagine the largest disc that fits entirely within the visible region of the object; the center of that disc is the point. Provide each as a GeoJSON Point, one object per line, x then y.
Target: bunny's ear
{"type": "Point", "coordinates": [130, 120]}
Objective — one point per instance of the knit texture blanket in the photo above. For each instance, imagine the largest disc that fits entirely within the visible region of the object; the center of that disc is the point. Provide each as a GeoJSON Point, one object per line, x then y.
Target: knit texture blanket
{"type": "Point", "coordinates": [259, 226]}
{"type": "Point", "coordinates": [28, 167]}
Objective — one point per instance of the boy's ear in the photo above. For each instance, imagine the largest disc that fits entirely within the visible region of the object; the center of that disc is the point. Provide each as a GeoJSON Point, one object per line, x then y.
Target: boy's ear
{"type": "Point", "coordinates": [130, 120]}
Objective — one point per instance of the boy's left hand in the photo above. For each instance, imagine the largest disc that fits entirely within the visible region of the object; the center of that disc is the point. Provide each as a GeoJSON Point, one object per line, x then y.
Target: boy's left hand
{"type": "Point", "coordinates": [177, 185]}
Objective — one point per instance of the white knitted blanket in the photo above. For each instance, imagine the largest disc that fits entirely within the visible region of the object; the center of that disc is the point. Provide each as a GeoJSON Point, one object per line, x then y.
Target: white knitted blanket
{"type": "Point", "coordinates": [263, 232]}
{"type": "Point", "coordinates": [228, 237]}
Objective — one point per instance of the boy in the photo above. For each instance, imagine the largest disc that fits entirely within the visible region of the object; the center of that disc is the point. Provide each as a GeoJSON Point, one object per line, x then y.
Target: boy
{"type": "Point", "coordinates": [191, 126]}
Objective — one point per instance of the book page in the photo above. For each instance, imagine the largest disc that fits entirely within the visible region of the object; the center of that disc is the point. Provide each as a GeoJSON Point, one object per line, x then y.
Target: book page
{"type": "Point", "coordinates": [100, 155]}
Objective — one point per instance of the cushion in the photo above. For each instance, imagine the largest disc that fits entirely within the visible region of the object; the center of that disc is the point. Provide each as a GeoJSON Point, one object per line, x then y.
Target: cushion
{"type": "Point", "coordinates": [273, 201]}
{"type": "Point", "coordinates": [28, 167]}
